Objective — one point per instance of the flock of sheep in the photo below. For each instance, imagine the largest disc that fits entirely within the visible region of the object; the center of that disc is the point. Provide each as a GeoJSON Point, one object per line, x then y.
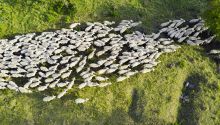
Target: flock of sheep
{"type": "Point", "coordinates": [86, 55]}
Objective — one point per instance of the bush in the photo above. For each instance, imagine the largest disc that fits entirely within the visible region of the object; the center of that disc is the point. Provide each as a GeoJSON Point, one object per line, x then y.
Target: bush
{"type": "Point", "coordinates": [212, 16]}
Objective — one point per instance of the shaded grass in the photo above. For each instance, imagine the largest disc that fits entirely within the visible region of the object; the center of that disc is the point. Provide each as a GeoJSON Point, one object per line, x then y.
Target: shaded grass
{"type": "Point", "coordinates": [204, 101]}
{"type": "Point", "coordinates": [151, 98]}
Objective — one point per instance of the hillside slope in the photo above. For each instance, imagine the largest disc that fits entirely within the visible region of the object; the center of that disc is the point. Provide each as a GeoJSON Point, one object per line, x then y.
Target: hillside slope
{"type": "Point", "coordinates": [152, 98]}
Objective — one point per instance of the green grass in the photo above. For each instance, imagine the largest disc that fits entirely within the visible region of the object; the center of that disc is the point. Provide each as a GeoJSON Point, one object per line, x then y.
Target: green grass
{"type": "Point", "coordinates": [22, 16]}
{"type": "Point", "coordinates": [151, 98]}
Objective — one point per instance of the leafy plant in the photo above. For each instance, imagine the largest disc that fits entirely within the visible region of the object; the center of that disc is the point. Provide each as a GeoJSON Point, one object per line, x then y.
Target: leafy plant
{"type": "Point", "coordinates": [212, 16]}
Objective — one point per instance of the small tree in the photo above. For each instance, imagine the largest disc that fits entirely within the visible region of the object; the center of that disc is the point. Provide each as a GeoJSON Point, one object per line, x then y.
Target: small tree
{"type": "Point", "coordinates": [212, 16]}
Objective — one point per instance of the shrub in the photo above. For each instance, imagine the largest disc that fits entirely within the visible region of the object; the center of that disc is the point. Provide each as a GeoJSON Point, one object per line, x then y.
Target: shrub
{"type": "Point", "coordinates": [212, 16]}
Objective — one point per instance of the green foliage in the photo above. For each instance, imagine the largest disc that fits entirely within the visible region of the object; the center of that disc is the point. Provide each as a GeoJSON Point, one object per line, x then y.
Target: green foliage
{"type": "Point", "coordinates": [213, 16]}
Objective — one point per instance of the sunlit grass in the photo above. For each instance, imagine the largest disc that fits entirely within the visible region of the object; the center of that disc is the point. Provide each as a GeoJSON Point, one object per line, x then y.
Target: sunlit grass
{"type": "Point", "coordinates": [18, 16]}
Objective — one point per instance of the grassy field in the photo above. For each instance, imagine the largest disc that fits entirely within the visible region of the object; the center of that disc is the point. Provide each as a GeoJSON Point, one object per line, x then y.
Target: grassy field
{"type": "Point", "coordinates": [21, 16]}
{"type": "Point", "coordinates": [152, 98]}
